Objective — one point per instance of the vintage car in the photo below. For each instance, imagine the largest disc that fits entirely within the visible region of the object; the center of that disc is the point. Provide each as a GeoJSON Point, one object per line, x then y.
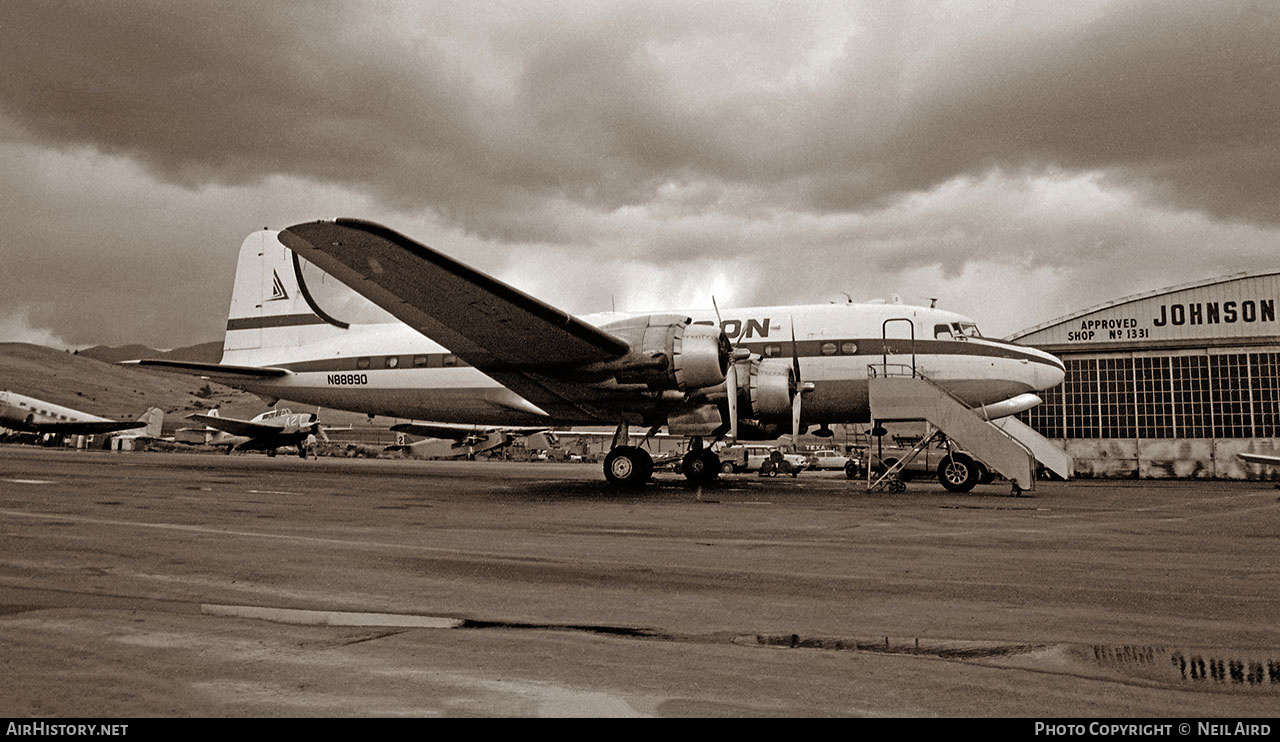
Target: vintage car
{"type": "Point", "coordinates": [745, 458]}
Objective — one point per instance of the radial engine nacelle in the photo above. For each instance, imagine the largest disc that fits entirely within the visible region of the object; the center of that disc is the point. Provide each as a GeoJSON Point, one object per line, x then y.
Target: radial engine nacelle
{"type": "Point", "coordinates": [298, 422]}
{"type": "Point", "coordinates": [767, 386]}
{"type": "Point", "coordinates": [667, 352]}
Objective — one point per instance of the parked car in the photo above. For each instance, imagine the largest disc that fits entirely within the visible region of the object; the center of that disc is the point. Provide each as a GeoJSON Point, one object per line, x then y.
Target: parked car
{"type": "Point", "coordinates": [836, 461]}
{"type": "Point", "coordinates": [743, 458]}
{"type": "Point", "coordinates": [827, 459]}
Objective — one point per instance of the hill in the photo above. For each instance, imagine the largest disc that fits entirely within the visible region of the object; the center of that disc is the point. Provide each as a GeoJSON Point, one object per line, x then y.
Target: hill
{"type": "Point", "coordinates": [125, 392]}
{"type": "Point", "coordinates": [110, 390]}
{"type": "Point", "coordinates": [210, 352]}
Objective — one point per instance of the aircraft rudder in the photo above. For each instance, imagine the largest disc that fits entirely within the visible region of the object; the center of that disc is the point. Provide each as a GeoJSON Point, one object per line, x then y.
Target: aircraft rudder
{"type": "Point", "coordinates": [154, 419]}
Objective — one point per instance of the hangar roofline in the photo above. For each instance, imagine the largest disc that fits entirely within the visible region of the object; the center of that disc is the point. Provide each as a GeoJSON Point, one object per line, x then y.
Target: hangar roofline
{"type": "Point", "coordinates": [1136, 297]}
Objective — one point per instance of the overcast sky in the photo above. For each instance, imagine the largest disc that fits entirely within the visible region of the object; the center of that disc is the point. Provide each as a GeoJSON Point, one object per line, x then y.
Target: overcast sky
{"type": "Point", "coordinates": [1015, 160]}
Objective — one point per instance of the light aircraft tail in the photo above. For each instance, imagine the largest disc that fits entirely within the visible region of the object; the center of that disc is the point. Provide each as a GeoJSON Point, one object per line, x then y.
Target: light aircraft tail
{"type": "Point", "coordinates": [273, 308]}
{"type": "Point", "coordinates": [154, 422]}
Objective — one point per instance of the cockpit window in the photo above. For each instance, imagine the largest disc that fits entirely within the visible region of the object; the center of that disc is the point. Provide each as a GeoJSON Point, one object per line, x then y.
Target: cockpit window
{"type": "Point", "coordinates": [968, 329]}
{"type": "Point", "coordinates": [941, 331]}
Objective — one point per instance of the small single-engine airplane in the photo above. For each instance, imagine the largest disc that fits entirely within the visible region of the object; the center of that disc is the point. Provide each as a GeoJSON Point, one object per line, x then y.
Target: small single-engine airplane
{"type": "Point", "coordinates": [469, 348]}
{"type": "Point", "coordinates": [267, 432]}
{"type": "Point", "coordinates": [30, 415]}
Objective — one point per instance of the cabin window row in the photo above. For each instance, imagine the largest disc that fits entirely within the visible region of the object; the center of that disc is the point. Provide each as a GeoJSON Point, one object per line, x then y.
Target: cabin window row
{"type": "Point", "coordinates": [23, 405]}
{"type": "Point", "coordinates": [429, 360]}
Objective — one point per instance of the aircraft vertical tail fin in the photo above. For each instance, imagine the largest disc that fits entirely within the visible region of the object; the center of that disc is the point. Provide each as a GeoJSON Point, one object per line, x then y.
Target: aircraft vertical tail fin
{"type": "Point", "coordinates": [272, 310]}
{"type": "Point", "coordinates": [154, 419]}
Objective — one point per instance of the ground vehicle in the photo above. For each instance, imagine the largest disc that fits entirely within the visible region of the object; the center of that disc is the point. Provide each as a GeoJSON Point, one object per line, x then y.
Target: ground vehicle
{"type": "Point", "coordinates": [827, 459]}
{"type": "Point", "coordinates": [956, 469]}
{"type": "Point", "coordinates": [736, 459]}
{"type": "Point", "coordinates": [851, 465]}
{"type": "Point", "coordinates": [779, 463]}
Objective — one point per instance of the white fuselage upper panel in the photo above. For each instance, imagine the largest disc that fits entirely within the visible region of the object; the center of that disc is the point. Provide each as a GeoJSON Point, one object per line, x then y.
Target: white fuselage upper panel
{"type": "Point", "coordinates": [19, 410]}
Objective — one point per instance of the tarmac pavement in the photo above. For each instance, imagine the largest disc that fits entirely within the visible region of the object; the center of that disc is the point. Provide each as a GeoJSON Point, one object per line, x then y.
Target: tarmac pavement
{"type": "Point", "coordinates": [183, 584]}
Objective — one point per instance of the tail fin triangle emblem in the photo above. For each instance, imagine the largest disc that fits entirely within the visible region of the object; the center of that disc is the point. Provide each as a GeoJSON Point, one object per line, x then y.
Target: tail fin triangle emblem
{"type": "Point", "coordinates": [277, 288]}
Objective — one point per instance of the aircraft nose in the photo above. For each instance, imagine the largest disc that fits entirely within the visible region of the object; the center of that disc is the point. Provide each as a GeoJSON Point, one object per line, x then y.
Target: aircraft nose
{"type": "Point", "coordinates": [1036, 368]}
{"type": "Point", "coordinates": [1048, 373]}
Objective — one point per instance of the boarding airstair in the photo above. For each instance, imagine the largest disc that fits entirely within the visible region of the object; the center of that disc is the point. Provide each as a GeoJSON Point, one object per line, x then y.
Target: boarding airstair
{"type": "Point", "coordinates": [898, 392]}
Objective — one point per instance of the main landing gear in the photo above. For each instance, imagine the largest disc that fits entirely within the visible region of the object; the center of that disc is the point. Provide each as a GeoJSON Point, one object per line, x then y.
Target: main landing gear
{"type": "Point", "coordinates": [625, 465]}
{"type": "Point", "coordinates": [628, 466]}
{"type": "Point", "coordinates": [700, 465]}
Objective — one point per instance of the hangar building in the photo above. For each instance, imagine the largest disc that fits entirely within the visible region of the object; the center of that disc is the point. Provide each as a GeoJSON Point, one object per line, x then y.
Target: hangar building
{"type": "Point", "coordinates": [1171, 383]}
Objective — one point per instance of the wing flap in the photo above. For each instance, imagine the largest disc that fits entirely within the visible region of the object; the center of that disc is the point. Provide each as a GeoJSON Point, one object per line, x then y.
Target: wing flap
{"type": "Point", "coordinates": [486, 322]}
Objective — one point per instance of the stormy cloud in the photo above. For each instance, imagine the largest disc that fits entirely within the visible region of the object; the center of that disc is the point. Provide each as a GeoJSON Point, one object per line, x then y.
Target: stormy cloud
{"type": "Point", "coordinates": [1014, 161]}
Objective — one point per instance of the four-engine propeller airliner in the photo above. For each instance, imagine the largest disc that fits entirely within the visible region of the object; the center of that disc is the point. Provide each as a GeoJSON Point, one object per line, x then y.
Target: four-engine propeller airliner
{"type": "Point", "coordinates": [469, 348]}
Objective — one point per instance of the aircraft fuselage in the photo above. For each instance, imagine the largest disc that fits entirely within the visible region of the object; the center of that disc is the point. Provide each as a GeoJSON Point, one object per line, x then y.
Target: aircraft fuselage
{"type": "Point", "coordinates": [390, 369]}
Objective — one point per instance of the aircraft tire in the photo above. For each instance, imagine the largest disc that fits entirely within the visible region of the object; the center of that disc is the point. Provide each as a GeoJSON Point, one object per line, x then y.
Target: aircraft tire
{"type": "Point", "coordinates": [958, 472]}
{"type": "Point", "coordinates": [701, 465]}
{"type": "Point", "coordinates": [985, 475]}
{"type": "Point", "coordinates": [628, 466]}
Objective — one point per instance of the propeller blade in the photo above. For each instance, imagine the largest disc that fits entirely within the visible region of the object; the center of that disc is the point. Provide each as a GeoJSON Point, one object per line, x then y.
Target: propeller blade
{"type": "Point", "coordinates": [731, 386]}
{"type": "Point", "coordinates": [733, 351]}
{"type": "Point", "coordinates": [795, 353]}
{"type": "Point", "coordinates": [795, 419]}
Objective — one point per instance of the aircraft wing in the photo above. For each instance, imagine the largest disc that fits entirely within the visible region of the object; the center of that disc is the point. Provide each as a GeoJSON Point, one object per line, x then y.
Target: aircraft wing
{"type": "Point", "coordinates": [486, 322]}
{"type": "Point", "coordinates": [85, 428]}
{"type": "Point", "coordinates": [212, 370]}
{"type": "Point", "coordinates": [457, 432]}
{"type": "Point", "coordinates": [236, 427]}
{"type": "Point", "coordinates": [1258, 458]}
